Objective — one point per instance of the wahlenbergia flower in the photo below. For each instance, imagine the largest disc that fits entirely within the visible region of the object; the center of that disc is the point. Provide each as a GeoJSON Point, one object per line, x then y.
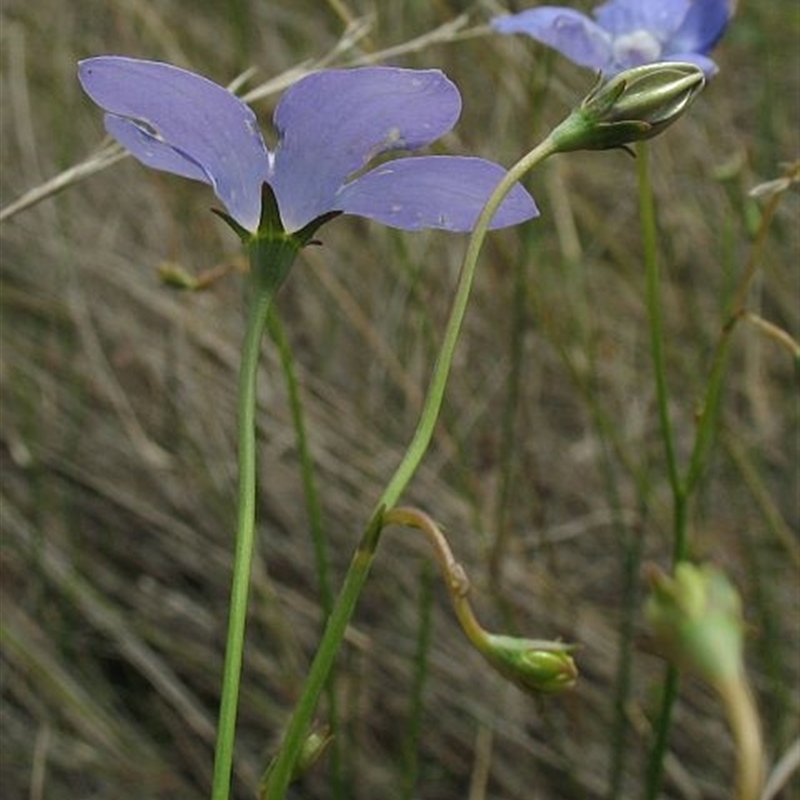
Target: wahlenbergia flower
{"type": "Point", "coordinates": [331, 125]}
{"type": "Point", "coordinates": [628, 33]}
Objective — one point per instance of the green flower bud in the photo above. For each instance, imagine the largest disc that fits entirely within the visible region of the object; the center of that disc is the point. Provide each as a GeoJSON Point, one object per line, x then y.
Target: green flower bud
{"type": "Point", "coordinates": [635, 104]}
{"type": "Point", "coordinates": [697, 620]}
{"type": "Point", "coordinates": [531, 664]}
{"type": "Point", "coordinates": [315, 744]}
{"type": "Point", "coordinates": [176, 277]}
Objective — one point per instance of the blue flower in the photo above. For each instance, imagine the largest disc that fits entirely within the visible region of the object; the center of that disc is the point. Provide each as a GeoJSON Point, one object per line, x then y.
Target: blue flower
{"type": "Point", "coordinates": [330, 125]}
{"type": "Point", "coordinates": [628, 33]}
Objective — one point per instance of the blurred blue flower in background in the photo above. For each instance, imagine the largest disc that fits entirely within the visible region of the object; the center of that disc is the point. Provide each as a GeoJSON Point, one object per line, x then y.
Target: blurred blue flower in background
{"type": "Point", "coordinates": [628, 33]}
{"type": "Point", "coordinates": [331, 124]}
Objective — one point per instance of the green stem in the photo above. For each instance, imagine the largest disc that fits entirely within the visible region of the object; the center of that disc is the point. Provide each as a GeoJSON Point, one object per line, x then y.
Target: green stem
{"type": "Point", "coordinates": [245, 537]}
{"type": "Point", "coordinates": [314, 510]}
{"type": "Point", "coordinates": [313, 507]}
{"type": "Point", "coordinates": [362, 560]}
{"type": "Point", "coordinates": [332, 636]}
{"type": "Point", "coordinates": [653, 291]}
{"type": "Point", "coordinates": [441, 371]}
{"type": "Point", "coordinates": [655, 768]}
{"type": "Point", "coordinates": [416, 706]}
{"type": "Point", "coordinates": [508, 439]}
{"type": "Point", "coordinates": [745, 726]}
{"type": "Point", "coordinates": [706, 425]}
{"type": "Point", "coordinates": [269, 264]}
{"type": "Point", "coordinates": [452, 572]}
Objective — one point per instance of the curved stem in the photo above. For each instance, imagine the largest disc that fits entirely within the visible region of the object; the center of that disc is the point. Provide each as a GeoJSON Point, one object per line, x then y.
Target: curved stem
{"type": "Point", "coordinates": [441, 371]}
{"type": "Point", "coordinates": [362, 560]}
{"type": "Point", "coordinates": [746, 729]}
{"type": "Point", "coordinates": [534, 665]}
{"type": "Point", "coordinates": [452, 572]}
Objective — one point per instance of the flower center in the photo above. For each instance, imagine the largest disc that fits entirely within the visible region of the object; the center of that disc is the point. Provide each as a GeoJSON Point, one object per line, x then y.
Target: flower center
{"type": "Point", "coordinates": [636, 48]}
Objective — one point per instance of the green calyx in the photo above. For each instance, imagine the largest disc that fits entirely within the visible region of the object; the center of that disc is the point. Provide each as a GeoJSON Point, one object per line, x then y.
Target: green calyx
{"type": "Point", "coordinates": [271, 249]}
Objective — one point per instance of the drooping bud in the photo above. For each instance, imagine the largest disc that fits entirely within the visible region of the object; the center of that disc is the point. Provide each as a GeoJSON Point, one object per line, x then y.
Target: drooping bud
{"type": "Point", "coordinates": [532, 664]}
{"type": "Point", "coordinates": [697, 620]}
{"type": "Point", "coordinates": [636, 104]}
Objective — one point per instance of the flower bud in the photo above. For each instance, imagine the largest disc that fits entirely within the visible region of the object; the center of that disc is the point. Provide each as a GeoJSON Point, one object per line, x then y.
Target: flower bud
{"type": "Point", "coordinates": [635, 104]}
{"type": "Point", "coordinates": [314, 745]}
{"type": "Point", "coordinates": [533, 665]}
{"type": "Point", "coordinates": [697, 620]}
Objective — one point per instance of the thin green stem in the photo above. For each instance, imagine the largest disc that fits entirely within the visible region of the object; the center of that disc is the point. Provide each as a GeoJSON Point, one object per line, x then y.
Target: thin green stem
{"type": "Point", "coordinates": [684, 486]}
{"type": "Point", "coordinates": [706, 425]}
{"type": "Point", "coordinates": [655, 768]}
{"type": "Point", "coordinates": [416, 705]}
{"type": "Point", "coordinates": [362, 560]}
{"type": "Point", "coordinates": [318, 539]}
{"type": "Point", "coordinates": [653, 292]}
{"type": "Point", "coordinates": [332, 636]}
{"type": "Point", "coordinates": [441, 371]}
{"type": "Point", "coordinates": [313, 507]}
{"type": "Point", "coordinates": [508, 439]}
{"type": "Point", "coordinates": [745, 725]}
{"type": "Point", "coordinates": [260, 301]}
{"type": "Point", "coordinates": [455, 578]}
{"type": "Point", "coordinates": [271, 255]}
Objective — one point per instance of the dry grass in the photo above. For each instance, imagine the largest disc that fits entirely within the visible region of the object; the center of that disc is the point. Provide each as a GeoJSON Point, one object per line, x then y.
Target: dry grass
{"type": "Point", "coordinates": [118, 460]}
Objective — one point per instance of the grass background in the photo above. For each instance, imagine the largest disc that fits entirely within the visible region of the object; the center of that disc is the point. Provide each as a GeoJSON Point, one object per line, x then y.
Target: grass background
{"type": "Point", "coordinates": [118, 425]}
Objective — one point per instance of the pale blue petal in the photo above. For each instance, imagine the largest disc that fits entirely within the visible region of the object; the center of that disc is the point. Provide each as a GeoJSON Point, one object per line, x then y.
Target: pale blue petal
{"type": "Point", "coordinates": [659, 17]}
{"type": "Point", "coordinates": [201, 121]}
{"type": "Point", "coordinates": [446, 192]}
{"type": "Point", "coordinates": [571, 33]}
{"type": "Point", "coordinates": [702, 27]}
{"type": "Point", "coordinates": [333, 123]}
{"type": "Point", "coordinates": [703, 62]}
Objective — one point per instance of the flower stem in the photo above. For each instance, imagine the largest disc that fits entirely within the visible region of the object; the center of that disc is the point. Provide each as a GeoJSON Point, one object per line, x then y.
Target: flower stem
{"type": "Point", "coordinates": [738, 311]}
{"type": "Point", "coordinates": [746, 729]}
{"type": "Point", "coordinates": [245, 537]}
{"type": "Point", "coordinates": [269, 264]}
{"type": "Point", "coordinates": [441, 371]}
{"type": "Point", "coordinates": [362, 560]}
{"type": "Point", "coordinates": [313, 507]}
{"type": "Point", "coordinates": [684, 485]}
{"type": "Point", "coordinates": [453, 573]}
{"type": "Point", "coordinates": [653, 291]}
{"type": "Point", "coordinates": [314, 510]}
